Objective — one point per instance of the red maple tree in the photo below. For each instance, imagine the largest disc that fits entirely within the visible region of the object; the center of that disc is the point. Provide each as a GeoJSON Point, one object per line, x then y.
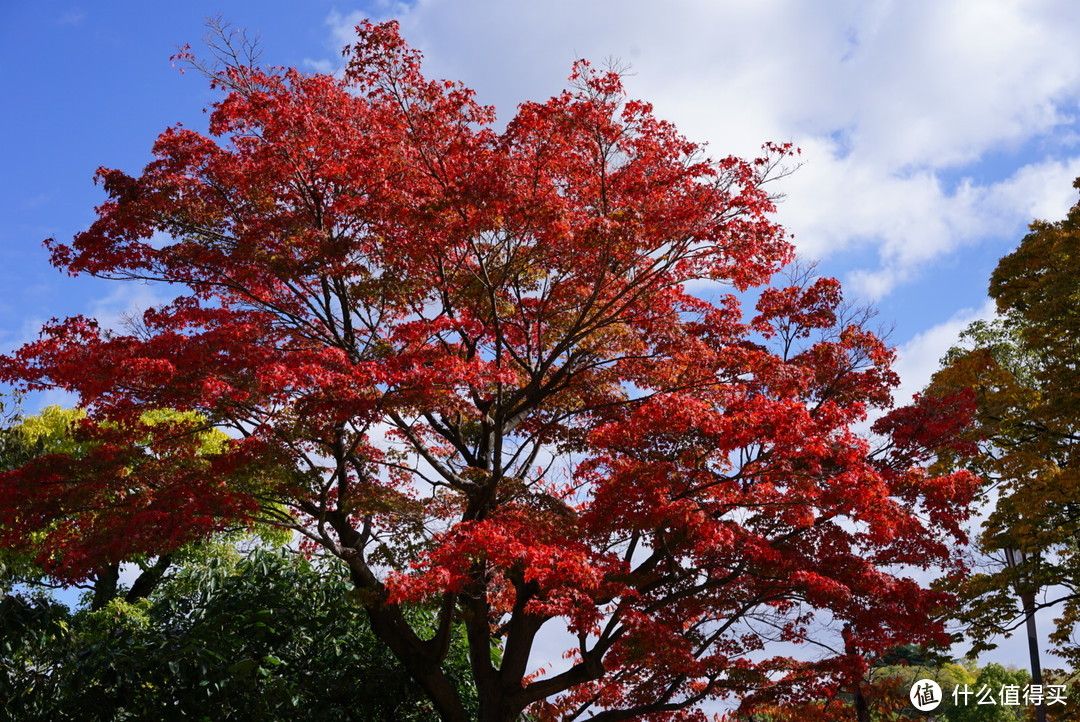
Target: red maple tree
{"type": "Point", "coordinates": [467, 363]}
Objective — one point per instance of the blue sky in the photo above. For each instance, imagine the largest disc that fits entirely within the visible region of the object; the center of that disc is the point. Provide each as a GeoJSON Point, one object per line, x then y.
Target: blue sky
{"type": "Point", "coordinates": [932, 131]}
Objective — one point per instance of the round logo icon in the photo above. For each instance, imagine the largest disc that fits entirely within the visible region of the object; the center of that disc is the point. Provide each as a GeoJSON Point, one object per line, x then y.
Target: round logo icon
{"type": "Point", "coordinates": [925, 695]}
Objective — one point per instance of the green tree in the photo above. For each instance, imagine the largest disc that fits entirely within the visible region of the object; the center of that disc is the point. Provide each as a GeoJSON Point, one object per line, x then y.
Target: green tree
{"type": "Point", "coordinates": [1016, 379]}
{"type": "Point", "coordinates": [259, 636]}
{"type": "Point", "coordinates": [991, 680]}
{"type": "Point", "coordinates": [892, 683]}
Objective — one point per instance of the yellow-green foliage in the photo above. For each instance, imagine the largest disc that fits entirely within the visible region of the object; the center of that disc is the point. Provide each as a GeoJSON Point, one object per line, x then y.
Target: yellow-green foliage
{"type": "Point", "coordinates": [50, 430]}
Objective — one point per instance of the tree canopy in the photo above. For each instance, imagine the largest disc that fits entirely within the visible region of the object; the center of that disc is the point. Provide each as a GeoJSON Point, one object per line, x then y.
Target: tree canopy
{"type": "Point", "coordinates": [469, 363]}
{"type": "Point", "coordinates": [1021, 374]}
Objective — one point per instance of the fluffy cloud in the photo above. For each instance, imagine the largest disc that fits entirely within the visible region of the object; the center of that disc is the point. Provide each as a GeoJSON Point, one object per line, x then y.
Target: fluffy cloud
{"type": "Point", "coordinates": [840, 204]}
{"type": "Point", "coordinates": [900, 107]}
{"type": "Point", "coordinates": [919, 358]}
{"type": "Point", "coordinates": [125, 303]}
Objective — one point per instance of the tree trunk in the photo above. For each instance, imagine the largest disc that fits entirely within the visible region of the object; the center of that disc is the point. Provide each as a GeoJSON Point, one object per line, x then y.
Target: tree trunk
{"type": "Point", "coordinates": [146, 582]}
{"type": "Point", "coordinates": [105, 581]}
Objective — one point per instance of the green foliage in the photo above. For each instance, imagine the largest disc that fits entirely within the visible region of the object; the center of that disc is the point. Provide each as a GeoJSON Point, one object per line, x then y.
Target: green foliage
{"type": "Point", "coordinates": [255, 637]}
{"type": "Point", "coordinates": [911, 655]}
{"type": "Point", "coordinates": [52, 432]}
{"type": "Point", "coordinates": [897, 679]}
{"type": "Point", "coordinates": [992, 677]}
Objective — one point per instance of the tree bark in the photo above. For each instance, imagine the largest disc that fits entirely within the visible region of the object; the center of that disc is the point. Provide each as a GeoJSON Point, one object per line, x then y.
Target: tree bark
{"type": "Point", "coordinates": [105, 581]}
{"type": "Point", "coordinates": [146, 582]}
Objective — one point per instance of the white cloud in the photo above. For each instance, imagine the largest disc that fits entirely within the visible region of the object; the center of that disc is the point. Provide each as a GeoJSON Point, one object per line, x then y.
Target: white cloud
{"type": "Point", "coordinates": [72, 17]}
{"type": "Point", "coordinates": [885, 97]}
{"type": "Point", "coordinates": [919, 358]}
{"type": "Point", "coordinates": [937, 84]}
{"type": "Point", "coordinates": [127, 301]}
{"type": "Point", "coordinates": [841, 205]}
{"type": "Point", "coordinates": [1039, 190]}
{"type": "Point", "coordinates": [324, 66]}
